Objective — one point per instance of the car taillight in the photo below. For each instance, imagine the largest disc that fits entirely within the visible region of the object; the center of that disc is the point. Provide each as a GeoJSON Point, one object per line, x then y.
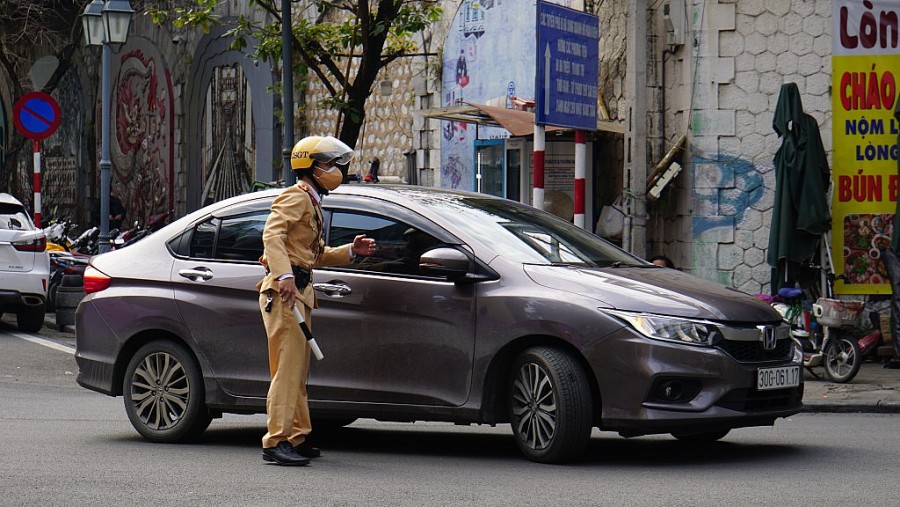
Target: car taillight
{"type": "Point", "coordinates": [95, 281]}
{"type": "Point", "coordinates": [31, 245]}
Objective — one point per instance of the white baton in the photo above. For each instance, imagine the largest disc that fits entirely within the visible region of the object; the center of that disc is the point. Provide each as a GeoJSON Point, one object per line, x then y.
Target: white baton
{"type": "Point", "coordinates": [309, 337]}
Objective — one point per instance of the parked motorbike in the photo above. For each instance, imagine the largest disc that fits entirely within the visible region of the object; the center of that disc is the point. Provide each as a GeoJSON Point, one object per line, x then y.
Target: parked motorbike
{"type": "Point", "coordinates": [66, 269]}
{"type": "Point", "coordinates": [155, 223]}
{"type": "Point", "coordinates": [58, 235]}
{"type": "Point", "coordinates": [826, 341]}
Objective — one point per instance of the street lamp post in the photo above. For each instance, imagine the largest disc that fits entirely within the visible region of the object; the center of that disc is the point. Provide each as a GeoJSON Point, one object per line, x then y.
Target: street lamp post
{"type": "Point", "coordinates": [105, 23]}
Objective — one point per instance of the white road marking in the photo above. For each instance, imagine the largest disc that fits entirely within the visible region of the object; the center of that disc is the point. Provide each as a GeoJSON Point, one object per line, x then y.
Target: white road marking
{"type": "Point", "coordinates": [41, 341]}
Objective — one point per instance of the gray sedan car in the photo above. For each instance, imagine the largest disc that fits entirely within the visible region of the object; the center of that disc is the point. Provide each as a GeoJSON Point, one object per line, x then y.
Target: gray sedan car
{"type": "Point", "coordinates": [476, 309]}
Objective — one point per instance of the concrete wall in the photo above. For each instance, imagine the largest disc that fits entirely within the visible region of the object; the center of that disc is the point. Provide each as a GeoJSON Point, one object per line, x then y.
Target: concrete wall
{"type": "Point", "coordinates": [728, 87]}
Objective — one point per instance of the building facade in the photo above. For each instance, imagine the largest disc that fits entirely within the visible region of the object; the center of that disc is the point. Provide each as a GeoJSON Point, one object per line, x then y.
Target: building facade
{"type": "Point", "coordinates": [195, 121]}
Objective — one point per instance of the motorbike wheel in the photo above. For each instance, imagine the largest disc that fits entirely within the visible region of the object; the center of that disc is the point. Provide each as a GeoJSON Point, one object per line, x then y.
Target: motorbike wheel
{"type": "Point", "coordinates": [842, 359]}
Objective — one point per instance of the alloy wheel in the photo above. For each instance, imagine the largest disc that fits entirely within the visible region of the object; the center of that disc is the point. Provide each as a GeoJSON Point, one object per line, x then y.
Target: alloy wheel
{"type": "Point", "coordinates": [534, 406]}
{"type": "Point", "coordinates": [160, 391]}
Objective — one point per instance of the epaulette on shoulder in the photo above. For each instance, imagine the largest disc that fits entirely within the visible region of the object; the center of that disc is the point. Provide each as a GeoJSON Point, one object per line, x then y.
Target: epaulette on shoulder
{"type": "Point", "coordinates": [303, 186]}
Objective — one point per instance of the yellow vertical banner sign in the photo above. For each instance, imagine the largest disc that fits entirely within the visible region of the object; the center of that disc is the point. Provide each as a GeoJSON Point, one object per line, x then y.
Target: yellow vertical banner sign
{"type": "Point", "coordinates": [865, 57]}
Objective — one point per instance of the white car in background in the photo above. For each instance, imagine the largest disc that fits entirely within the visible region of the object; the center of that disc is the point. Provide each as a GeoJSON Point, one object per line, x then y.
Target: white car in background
{"type": "Point", "coordinates": [24, 265]}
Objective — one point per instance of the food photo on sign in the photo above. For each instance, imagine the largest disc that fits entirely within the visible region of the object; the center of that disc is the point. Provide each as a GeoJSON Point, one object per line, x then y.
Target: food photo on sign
{"type": "Point", "coordinates": [865, 235]}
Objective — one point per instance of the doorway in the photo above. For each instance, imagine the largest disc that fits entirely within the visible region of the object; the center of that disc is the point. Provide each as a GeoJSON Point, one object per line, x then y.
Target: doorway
{"type": "Point", "coordinates": [489, 168]}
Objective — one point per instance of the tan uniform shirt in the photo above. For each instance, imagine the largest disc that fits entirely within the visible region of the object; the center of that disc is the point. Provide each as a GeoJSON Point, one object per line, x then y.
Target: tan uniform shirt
{"type": "Point", "coordinates": [293, 237]}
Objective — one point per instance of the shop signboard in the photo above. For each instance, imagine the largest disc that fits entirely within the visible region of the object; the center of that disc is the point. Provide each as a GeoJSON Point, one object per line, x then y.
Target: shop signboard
{"type": "Point", "coordinates": [864, 134]}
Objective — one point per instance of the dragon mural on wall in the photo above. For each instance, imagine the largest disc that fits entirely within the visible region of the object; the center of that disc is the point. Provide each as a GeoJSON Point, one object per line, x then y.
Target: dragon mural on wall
{"type": "Point", "coordinates": [142, 154]}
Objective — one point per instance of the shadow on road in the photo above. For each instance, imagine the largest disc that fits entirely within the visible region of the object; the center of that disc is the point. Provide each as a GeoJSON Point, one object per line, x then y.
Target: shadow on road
{"type": "Point", "coordinates": [608, 449]}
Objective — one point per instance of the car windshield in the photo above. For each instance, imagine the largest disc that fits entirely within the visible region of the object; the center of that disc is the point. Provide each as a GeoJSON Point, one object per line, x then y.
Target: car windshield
{"type": "Point", "coordinates": [525, 234]}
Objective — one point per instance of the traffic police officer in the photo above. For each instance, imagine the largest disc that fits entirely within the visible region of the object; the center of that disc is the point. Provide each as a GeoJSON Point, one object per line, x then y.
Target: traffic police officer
{"type": "Point", "coordinates": [293, 247]}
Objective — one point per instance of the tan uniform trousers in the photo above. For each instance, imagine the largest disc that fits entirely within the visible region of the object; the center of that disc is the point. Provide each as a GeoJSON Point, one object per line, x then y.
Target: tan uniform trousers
{"type": "Point", "coordinates": [286, 403]}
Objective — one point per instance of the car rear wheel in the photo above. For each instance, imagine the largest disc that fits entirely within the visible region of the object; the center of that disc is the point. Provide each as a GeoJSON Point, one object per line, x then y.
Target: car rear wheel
{"type": "Point", "coordinates": [30, 319]}
{"type": "Point", "coordinates": [163, 392]}
{"type": "Point", "coordinates": [703, 436]}
{"type": "Point", "coordinates": [549, 405]}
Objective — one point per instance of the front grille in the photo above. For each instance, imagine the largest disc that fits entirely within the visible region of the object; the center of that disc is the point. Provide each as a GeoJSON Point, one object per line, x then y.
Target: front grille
{"type": "Point", "coordinates": [753, 351]}
{"type": "Point", "coordinates": [751, 400]}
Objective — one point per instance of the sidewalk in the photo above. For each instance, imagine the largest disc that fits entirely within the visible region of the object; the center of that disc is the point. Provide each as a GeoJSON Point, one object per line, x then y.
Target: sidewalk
{"type": "Point", "coordinates": [874, 389]}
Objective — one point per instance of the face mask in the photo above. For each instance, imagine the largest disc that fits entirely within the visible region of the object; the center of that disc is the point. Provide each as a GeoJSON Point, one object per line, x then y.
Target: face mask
{"type": "Point", "coordinates": [329, 178]}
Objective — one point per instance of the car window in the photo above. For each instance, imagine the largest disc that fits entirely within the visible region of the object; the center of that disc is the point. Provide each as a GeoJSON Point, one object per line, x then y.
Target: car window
{"type": "Point", "coordinates": [234, 238]}
{"type": "Point", "coordinates": [204, 239]}
{"type": "Point", "coordinates": [240, 238]}
{"type": "Point", "coordinates": [400, 245]}
{"type": "Point", "coordinates": [14, 218]}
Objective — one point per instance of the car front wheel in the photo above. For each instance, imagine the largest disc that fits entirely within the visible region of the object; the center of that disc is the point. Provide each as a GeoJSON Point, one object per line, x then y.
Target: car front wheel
{"type": "Point", "coordinates": [163, 392]}
{"type": "Point", "coordinates": [549, 405]}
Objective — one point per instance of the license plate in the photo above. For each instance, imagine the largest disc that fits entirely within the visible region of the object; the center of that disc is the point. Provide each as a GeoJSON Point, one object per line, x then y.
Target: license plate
{"type": "Point", "coordinates": [777, 378]}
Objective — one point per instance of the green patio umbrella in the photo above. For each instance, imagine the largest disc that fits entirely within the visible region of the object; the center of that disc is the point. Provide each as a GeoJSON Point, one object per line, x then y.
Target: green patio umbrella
{"type": "Point", "coordinates": [800, 215]}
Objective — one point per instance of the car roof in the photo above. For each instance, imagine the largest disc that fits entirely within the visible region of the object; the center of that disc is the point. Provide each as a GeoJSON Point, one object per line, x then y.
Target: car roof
{"type": "Point", "coordinates": [8, 199]}
{"type": "Point", "coordinates": [398, 193]}
{"type": "Point", "coordinates": [415, 197]}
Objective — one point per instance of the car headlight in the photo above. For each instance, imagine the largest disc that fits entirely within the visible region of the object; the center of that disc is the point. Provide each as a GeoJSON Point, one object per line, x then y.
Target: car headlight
{"type": "Point", "coordinates": [671, 329]}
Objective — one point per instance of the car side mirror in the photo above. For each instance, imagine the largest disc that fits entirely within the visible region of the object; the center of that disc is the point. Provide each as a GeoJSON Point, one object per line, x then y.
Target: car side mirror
{"type": "Point", "coordinates": [446, 262]}
{"type": "Point", "coordinates": [14, 223]}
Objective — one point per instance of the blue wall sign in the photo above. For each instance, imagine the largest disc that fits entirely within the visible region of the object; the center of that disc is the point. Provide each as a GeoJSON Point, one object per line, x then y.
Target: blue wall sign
{"type": "Point", "coordinates": [567, 67]}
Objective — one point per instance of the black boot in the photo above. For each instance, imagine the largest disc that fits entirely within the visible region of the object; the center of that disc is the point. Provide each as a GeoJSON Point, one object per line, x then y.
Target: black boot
{"type": "Point", "coordinates": [283, 454]}
{"type": "Point", "coordinates": [307, 451]}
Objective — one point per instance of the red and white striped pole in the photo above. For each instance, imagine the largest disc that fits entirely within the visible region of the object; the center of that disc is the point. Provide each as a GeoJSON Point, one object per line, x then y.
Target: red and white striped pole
{"type": "Point", "coordinates": [538, 179]}
{"type": "Point", "coordinates": [580, 169]}
{"type": "Point", "coordinates": [37, 184]}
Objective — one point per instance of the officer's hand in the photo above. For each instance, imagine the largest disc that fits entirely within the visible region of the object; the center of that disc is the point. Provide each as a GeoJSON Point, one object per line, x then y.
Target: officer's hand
{"type": "Point", "coordinates": [288, 291]}
{"type": "Point", "coordinates": [363, 245]}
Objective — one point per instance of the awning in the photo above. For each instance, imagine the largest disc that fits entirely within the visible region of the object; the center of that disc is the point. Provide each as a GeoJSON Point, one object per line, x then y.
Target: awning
{"type": "Point", "coordinates": [518, 123]}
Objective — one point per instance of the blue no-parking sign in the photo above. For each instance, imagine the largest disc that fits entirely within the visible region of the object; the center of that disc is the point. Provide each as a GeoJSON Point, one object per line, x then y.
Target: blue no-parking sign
{"type": "Point", "coordinates": [36, 115]}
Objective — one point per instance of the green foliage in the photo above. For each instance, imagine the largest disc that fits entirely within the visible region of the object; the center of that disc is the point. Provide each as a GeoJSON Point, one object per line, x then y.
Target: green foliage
{"type": "Point", "coordinates": [200, 15]}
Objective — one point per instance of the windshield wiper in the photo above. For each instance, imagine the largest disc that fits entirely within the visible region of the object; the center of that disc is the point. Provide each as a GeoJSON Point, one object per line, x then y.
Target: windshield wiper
{"type": "Point", "coordinates": [623, 264]}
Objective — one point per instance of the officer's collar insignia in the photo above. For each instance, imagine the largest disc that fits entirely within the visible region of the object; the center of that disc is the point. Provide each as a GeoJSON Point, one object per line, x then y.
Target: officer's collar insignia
{"type": "Point", "coordinates": [312, 195]}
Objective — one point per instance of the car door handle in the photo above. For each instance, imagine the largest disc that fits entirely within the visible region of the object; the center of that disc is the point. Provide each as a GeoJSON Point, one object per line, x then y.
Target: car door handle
{"type": "Point", "coordinates": [196, 274]}
{"type": "Point", "coordinates": [333, 289]}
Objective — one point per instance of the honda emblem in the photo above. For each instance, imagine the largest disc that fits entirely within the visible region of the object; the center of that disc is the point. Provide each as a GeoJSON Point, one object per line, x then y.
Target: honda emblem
{"type": "Point", "coordinates": [768, 337]}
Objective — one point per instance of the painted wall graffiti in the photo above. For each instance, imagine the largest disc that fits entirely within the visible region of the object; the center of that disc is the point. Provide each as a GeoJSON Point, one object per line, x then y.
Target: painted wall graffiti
{"type": "Point", "coordinates": [729, 187]}
{"type": "Point", "coordinates": [729, 226]}
{"type": "Point", "coordinates": [478, 67]}
{"type": "Point", "coordinates": [143, 152]}
{"type": "Point", "coordinates": [228, 159]}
